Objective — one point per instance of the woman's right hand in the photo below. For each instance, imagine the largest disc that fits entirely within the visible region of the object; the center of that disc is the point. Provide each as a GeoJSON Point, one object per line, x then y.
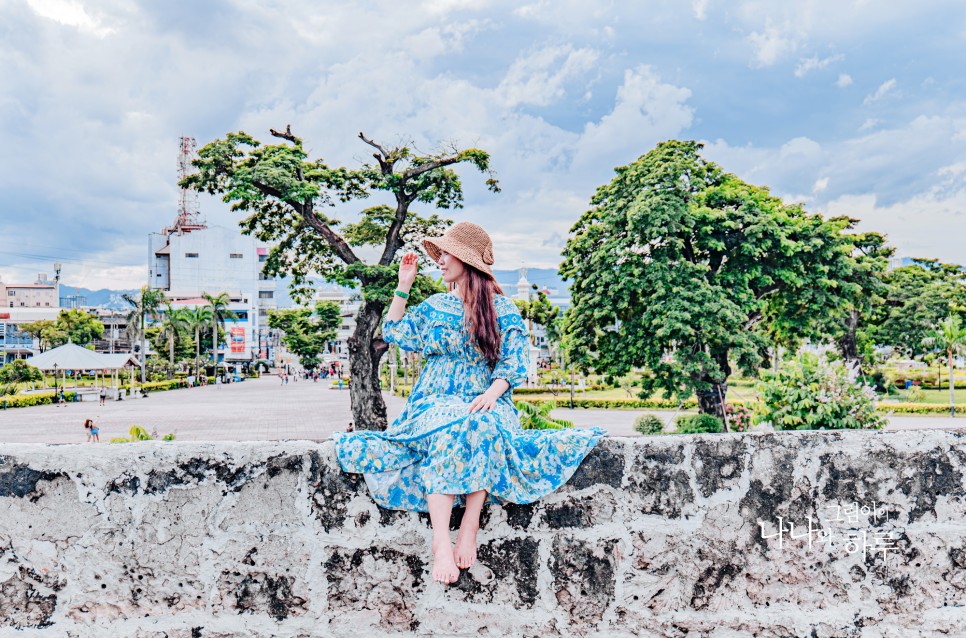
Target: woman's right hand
{"type": "Point", "coordinates": [407, 271]}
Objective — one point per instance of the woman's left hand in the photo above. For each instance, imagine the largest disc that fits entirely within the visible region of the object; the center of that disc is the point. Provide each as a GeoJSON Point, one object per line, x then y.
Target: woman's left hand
{"type": "Point", "coordinates": [484, 402]}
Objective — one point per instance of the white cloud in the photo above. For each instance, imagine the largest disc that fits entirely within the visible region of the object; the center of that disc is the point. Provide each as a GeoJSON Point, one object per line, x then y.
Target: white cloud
{"type": "Point", "coordinates": [844, 80]}
{"type": "Point", "coordinates": [800, 147]}
{"type": "Point", "coordinates": [921, 226]}
{"type": "Point", "coordinates": [700, 8]}
{"type": "Point", "coordinates": [814, 63]}
{"type": "Point", "coordinates": [773, 43]}
{"type": "Point", "coordinates": [884, 89]}
{"type": "Point", "coordinates": [869, 124]}
{"type": "Point", "coordinates": [645, 112]}
{"type": "Point", "coordinates": [538, 78]}
{"type": "Point", "coordinates": [70, 13]}
{"type": "Point", "coordinates": [95, 94]}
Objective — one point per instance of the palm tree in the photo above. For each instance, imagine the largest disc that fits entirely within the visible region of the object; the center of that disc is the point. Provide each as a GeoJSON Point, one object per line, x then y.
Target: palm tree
{"type": "Point", "coordinates": [218, 305]}
{"type": "Point", "coordinates": [143, 306]}
{"type": "Point", "coordinates": [537, 417]}
{"type": "Point", "coordinates": [198, 319]}
{"type": "Point", "coordinates": [172, 323]}
{"type": "Point", "coordinates": [950, 338]}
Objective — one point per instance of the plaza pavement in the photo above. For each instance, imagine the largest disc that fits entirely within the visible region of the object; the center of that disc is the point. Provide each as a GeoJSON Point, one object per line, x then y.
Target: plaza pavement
{"type": "Point", "coordinates": [264, 410]}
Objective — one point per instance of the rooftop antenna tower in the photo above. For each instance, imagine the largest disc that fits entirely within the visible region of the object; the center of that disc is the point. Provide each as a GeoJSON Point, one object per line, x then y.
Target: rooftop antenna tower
{"type": "Point", "coordinates": [189, 218]}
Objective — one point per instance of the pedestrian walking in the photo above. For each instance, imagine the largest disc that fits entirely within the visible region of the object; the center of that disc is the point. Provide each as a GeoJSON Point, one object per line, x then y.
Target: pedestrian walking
{"type": "Point", "coordinates": [459, 437]}
{"type": "Point", "coordinates": [102, 395]}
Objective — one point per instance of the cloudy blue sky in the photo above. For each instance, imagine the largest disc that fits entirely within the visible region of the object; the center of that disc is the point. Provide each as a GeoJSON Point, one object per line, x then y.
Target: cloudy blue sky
{"type": "Point", "coordinates": [853, 107]}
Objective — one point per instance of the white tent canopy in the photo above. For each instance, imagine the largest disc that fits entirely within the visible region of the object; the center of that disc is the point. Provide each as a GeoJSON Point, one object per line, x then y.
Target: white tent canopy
{"type": "Point", "coordinates": [71, 356]}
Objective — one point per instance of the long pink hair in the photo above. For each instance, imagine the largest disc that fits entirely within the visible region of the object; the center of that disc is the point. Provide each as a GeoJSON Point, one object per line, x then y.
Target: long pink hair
{"type": "Point", "coordinates": [479, 312]}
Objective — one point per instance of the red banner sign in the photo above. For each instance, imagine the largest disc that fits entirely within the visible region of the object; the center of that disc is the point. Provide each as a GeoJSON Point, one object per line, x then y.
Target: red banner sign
{"type": "Point", "coordinates": [238, 340]}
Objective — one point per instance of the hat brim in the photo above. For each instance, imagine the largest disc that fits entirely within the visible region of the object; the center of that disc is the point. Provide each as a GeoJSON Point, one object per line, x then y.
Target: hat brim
{"type": "Point", "coordinates": [436, 245]}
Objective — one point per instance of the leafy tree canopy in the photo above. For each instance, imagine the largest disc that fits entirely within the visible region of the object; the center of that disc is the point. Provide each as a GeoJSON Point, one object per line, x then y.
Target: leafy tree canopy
{"type": "Point", "coordinates": [917, 298]}
{"type": "Point", "coordinates": [78, 326]}
{"type": "Point", "coordinates": [19, 371]}
{"type": "Point", "coordinates": [307, 331]}
{"type": "Point", "coordinates": [681, 268]}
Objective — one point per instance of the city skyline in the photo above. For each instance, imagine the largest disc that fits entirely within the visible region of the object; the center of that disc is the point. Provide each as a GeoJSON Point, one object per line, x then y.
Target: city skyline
{"type": "Point", "coordinates": [853, 108]}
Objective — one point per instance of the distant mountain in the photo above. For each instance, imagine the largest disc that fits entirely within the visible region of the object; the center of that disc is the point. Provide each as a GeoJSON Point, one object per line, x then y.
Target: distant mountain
{"type": "Point", "coordinates": [543, 277]}
{"type": "Point", "coordinates": [103, 298]}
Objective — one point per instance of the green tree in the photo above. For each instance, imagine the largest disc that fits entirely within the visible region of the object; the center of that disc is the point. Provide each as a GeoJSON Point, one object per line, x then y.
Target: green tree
{"type": "Point", "coordinates": [917, 298]}
{"type": "Point", "coordinates": [850, 290]}
{"type": "Point", "coordinates": [680, 268]}
{"type": "Point", "coordinates": [19, 371]}
{"type": "Point", "coordinates": [306, 332]}
{"type": "Point", "coordinates": [950, 339]}
{"type": "Point", "coordinates": [174, 323]}
{"type": "Point", "coordinates": [538, 310]}
{"type": "Point", "coordinates": [220, 312]}
{"type": "Point", "coordinates": [41, 330]}
{"type": "Point", "coordinates": [144, 306]}
{"type": "Point", "coordinates": [76, 326]}
{"type": "Point", "coordinates": [285, 194]}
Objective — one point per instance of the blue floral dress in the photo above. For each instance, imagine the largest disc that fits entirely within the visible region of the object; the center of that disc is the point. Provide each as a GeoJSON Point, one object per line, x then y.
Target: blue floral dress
{"type": "Point", "coordinates": [436, 446]}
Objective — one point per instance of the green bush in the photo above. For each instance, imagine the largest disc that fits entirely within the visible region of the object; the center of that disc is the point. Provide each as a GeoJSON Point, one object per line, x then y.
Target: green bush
{"type": "Point", "coordinates": [698, 424]}
{"type": "Point", "coordinates": [138, 433]}
{"type": "Point", "coordinates": [161, 386]}
{"type": "Point", "coordinates": [46, 398]}
{"type": "Point", "coordinates": [739, 417]}
{"type": "Point", "coordinates": [648, 424]}
{"type": "Point", "coordinates": [810, 392]}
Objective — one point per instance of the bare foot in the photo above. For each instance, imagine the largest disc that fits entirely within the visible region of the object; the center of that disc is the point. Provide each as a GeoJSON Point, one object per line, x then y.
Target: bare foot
{"type": "Point", "coordinates": [444, 567]}
{"type": "Point", "coordinates": [465, 553]}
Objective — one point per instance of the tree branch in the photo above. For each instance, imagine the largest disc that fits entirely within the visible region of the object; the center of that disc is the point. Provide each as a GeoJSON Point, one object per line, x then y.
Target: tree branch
{"type": "Point", "coordinates": [286, 135]}
{"type": "Point", "coordinates": [373, 144]}
{"type": "Point", "coordinates": [429, 166]}
{"type": "Point", "coordinates": [339, 245]}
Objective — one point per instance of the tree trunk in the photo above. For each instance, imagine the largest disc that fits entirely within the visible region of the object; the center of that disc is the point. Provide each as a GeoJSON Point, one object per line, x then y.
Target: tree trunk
{"type": "Point", "coordinates": [848, 342]}
{"type": "Point", "coordinates": [952, 390]}
{"type": "Point", "coordinates": [214, 343]}
{"type": "Point", "coordinates": [365, 352]}
{"type": "Point", "coordinates": [144, 348]}
{"type": "Point", "coordinates": [171, 349]}
{"type": "Point", "coordinates": [712, 401]}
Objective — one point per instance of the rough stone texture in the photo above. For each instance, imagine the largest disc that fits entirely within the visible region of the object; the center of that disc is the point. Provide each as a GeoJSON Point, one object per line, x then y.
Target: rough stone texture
{"type": "Point", "coordinates": [653, 536]}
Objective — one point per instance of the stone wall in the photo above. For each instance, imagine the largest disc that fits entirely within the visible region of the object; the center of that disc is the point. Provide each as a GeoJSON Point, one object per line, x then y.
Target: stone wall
{"type": "Point", "coordinates": [654, 536]}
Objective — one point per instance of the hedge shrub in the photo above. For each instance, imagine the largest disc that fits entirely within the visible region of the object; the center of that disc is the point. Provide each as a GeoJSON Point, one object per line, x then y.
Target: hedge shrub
{"type": "Point", "coordinates": [919, 408]}
{"type": "Point", "coordinates": [698, 424]}
{"type": "Point", "coordinates": [29, 400]}
{"type": "Point", "coordinates": [654, 404]}
{"type": "Point", "coordinates": [648, 424]}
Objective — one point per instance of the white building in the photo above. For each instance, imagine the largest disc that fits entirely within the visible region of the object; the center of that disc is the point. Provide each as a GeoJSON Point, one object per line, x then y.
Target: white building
{"type": "Point", "coordinates": [192, 260]}
{"type": "Point", "coordinates": [350, 301]}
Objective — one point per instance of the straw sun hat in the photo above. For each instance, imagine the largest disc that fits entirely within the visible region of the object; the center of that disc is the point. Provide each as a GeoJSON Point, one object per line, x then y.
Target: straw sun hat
{"type": "Point", "coordinates": [467, 242]}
